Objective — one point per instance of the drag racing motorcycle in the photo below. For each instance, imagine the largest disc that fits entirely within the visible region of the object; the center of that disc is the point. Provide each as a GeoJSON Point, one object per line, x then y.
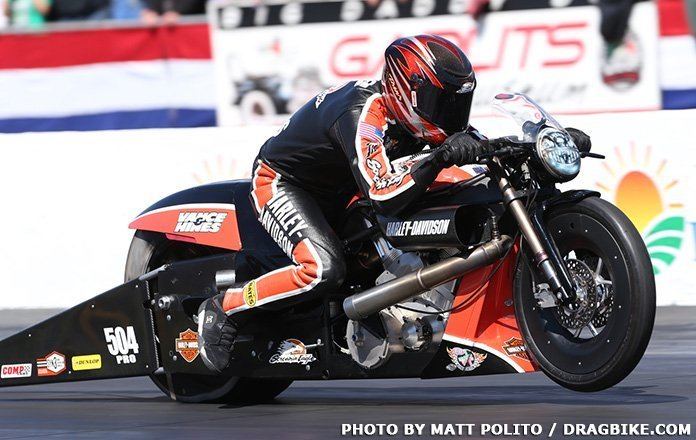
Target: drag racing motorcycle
{"type": "Point", "coordinates": [494, 270]}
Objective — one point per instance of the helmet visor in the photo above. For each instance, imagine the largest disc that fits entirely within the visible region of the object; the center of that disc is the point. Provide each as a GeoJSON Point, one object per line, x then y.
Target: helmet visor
{"type": "Point", "coordinates": [447, 109]}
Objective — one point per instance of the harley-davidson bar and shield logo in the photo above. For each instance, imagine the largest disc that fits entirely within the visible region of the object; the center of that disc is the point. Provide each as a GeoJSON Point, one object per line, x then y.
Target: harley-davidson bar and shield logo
{"type": "Point", "coordinates": [464, 359]}
{"type": "Point", "coordinates": [515, 347]}
{"type": "Point", "coordinates": [187, 345]}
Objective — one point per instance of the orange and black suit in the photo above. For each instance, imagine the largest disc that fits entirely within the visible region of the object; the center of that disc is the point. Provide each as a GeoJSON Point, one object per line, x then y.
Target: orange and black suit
{"type": "Point", "coordinates": [334, 146]}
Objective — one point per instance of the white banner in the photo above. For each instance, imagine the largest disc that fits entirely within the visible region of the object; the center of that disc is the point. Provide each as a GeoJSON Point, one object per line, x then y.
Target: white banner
{"type": "Point", "coordinates": [265, 72]}
{"type": "Point", "coordinates": [68, 197]}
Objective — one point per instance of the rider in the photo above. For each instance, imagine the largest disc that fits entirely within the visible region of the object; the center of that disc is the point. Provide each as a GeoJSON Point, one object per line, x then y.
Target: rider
{"type": "Point", "coordinates": [342, 141]}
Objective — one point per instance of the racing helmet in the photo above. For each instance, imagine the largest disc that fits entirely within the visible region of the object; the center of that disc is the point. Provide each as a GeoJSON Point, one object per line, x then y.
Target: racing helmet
{"type": "Point", "coordinates": [428, 84]}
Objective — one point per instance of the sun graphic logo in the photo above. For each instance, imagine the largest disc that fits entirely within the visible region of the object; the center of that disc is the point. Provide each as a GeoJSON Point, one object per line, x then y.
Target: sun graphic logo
{"type": "Point", "coordinates": [644, 189]}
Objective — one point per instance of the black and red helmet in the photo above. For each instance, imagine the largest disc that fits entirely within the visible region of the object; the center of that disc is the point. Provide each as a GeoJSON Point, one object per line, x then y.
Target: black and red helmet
{"type": "Point", "coordinates": [428, 85]}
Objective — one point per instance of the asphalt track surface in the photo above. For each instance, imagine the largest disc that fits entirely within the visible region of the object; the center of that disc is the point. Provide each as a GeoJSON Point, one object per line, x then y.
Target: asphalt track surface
{"type": "Point", "coordinates": [661, 390]}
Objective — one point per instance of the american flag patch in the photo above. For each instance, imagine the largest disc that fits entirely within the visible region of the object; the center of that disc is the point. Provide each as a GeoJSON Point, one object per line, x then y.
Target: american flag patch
{"type": "Point", "coordinates": [370, 132]}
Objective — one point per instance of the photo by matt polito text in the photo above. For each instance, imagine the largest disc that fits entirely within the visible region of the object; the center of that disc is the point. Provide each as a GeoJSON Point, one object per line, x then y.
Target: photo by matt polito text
{"type": "Point", "coordinates": [443, 429]}
{"type": "Point", "coordinates": [524, 430]}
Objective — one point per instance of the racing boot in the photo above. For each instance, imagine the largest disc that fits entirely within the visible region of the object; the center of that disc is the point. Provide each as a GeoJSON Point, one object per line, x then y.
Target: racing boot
{"type": "Point", "coordinates": [216, 334]}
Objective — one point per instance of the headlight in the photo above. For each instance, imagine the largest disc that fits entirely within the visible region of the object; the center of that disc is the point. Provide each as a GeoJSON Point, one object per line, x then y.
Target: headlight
{"type": "Point", "coordinates": [558, 153]}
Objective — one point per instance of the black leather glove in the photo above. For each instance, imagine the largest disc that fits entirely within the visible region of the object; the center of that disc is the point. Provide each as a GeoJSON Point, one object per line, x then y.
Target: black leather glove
{"type": "Point", "coordinates": [581, 139]}
{"type": "Point", "coordinates": [460, 149]}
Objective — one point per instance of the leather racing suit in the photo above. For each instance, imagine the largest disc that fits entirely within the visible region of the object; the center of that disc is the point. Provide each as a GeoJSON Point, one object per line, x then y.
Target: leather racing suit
{"type": "Point", "coordinates": [337, 144]}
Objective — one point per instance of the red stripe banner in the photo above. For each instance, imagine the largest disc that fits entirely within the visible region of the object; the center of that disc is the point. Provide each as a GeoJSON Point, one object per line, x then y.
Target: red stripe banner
{"type": "Point", "coordinates": [72, 48]}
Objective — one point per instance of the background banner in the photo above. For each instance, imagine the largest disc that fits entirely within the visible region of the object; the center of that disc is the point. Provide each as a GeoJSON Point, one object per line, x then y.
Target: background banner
{"type": "Point", "coordinates": [265, 71]}
{"type": "Point", "coordinates": [99, 79]}
{"type": "Point", "coordinates": [677, 56]}
{"type": "Point", "coordinates": [271, 58]}
{"type": "Point", "coordinates": [67, 204]}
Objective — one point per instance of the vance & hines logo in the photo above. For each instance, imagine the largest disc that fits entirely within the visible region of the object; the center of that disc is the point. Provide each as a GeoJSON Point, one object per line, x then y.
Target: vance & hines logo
{"type": "Point", "coordinates": [200, 221]}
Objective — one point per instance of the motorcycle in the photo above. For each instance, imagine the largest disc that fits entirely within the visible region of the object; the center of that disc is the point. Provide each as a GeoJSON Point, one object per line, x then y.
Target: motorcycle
{"type": "Point", "coordinates": [494, 270]}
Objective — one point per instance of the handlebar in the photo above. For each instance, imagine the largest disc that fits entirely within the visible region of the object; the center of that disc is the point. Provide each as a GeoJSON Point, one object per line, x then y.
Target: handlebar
{"type": "Point", "coordinates": [504, 147]}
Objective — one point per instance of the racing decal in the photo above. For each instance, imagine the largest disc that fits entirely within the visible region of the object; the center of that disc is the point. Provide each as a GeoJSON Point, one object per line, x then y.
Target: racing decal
{"type": "Point", "coordinates": [200, 222]}
{"type": "Point", "coordinates": [418, 227]}
{"type": "Point", "coordinates": [187, 345]}
{"type": "Point", "coordinates": [251, 295]}
{"type": "Point", "coordinates": [86, 362]}
{"type": "Point", "coordinates": [370, 132]}
{"type": "Point", "coordinates": [515, 347]}
{"type": "Point", "coordinates": [15, 371]}
{"type": "Point", "coordinates": [122, 344]}
{"type": "Point", "coordinates": [52, 364]}
{"type": "Point", "coordinates": [211, 224]}
{"type": "Point", "coordinates": [292, 351]}
{"type": "Point", "coordinates": [384, 181]}
{"type": "Point", "coordinates": [321, 96]}
{"type": "Point", "coordinates": [282, 220]}
{"type": "Point", "coordinates": [464, 359]}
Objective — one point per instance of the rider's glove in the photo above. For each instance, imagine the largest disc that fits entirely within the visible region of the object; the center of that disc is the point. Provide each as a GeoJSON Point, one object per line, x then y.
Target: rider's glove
{"type": "Point", "coordinates": [581, 139]}
{"type": "Point", "coordinates": [460, 149]}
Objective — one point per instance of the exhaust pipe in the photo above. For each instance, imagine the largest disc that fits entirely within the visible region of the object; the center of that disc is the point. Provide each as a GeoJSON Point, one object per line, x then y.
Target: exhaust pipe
{"type": "Point", "coordinates": [225, 278]}
{"type": "Point", "coordinates": [363, 304]}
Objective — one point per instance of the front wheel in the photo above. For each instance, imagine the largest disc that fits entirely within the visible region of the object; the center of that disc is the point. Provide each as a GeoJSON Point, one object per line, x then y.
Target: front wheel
{"type": "Point", "coordinates": [598, 340]}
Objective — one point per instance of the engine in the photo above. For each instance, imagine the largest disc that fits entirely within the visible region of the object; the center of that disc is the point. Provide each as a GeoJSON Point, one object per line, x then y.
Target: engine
{"type": "Point", "coordinates": [412, 325]}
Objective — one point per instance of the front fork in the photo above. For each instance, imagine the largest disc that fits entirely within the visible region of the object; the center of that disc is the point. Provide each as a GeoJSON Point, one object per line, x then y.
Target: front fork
{"type": "Point", "coordinates": [545, 253]}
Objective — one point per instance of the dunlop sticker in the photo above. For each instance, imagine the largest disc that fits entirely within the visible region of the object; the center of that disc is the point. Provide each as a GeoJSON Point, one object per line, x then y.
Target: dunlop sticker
{"type": "Point", "coordinates": [87, 362]}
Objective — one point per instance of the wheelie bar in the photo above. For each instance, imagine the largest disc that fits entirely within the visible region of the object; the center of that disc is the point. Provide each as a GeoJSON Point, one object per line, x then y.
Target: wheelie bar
{"type": "Point", "coordinates": [108, 336]}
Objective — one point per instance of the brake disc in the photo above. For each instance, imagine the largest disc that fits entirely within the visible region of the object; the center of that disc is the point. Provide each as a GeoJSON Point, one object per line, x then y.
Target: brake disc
{"type": "Point", "coordinates": [581, 311]}
{"type": "Point", "coordinates": [605, 306]}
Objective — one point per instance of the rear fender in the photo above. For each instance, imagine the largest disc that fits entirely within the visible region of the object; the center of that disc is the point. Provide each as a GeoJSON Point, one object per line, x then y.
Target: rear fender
{"type": "Point", "coordinates": [207, 215]}
{"type": "Point", "coordinates": [209, 224]}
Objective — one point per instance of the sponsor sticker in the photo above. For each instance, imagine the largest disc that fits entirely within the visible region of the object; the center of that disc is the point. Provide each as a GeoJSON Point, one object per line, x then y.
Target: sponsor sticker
{"type": "Point", "coordinates": [122, 344]}
{"type": "Point", "coordinates": [414, 228]}
{"type": "Point", "coordinates": [187, 345]}
{"type": "Point", "coordinates": [515, 347]}
{"type": "Point", "coordinates": [464, 359]}
{"type": "Point", "coordinates": [250, 294]}
{"type": "Point", "coordinates": [200, 222]}
{"type": "Point", "coordinates": [87, 362]}
{"type": "Point", "coordinates": [292, 351]}
{"type": "Point", "coordinates": [52, 364]}
{"type": "Point", "coordinates": [15, 371]}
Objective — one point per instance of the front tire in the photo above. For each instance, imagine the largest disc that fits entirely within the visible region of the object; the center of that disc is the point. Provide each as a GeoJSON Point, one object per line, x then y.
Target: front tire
{"type": "Point", "coordinates": [150, 250]}
{"type": "Point", "coordinates": [591, 234]}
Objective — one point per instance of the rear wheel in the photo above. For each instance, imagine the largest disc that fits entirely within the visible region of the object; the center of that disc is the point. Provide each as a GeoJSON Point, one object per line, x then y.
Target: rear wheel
{"type": "Point", "coordinates": [150, 250]}
{"type": "Point", "coordinates": [598, 340]}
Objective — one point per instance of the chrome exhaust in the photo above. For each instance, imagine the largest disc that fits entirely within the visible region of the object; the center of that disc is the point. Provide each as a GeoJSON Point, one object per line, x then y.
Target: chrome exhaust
{"type": "Point", "coordinates": [363, 304]}
{"type": "Point", "coordinates": [224, 279]}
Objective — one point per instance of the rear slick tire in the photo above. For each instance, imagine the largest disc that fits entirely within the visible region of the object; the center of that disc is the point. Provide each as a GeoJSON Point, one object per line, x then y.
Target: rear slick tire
{"type": "Point", "coordinates": [592, 227]}
{"type": "Point", "coordinates": [150, 250]}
